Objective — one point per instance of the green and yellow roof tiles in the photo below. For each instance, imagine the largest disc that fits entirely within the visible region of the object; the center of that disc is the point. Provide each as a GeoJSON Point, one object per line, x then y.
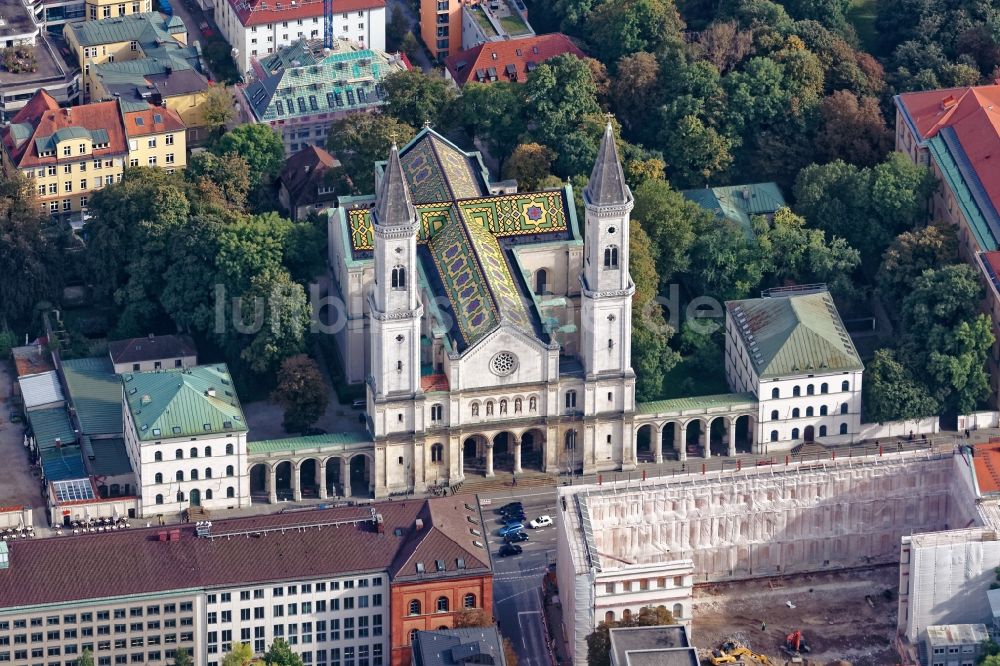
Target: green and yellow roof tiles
{"type": "Point", "coordinates": [464, 282]}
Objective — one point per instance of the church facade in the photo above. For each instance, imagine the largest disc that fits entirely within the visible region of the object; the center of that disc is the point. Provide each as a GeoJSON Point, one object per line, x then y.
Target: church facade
{"type": "Point", "coordinates": [490, 336]}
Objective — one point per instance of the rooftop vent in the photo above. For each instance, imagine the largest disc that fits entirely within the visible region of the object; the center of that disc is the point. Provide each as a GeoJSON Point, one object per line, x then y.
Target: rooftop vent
{"type": "Point", "coordinates": [420, 567]}
{"type": "Point", "coordinates": [418, 524]}
{"type": "Point", "coordinates": [145, 400]}
{"type": "Point", "coordinates": [948, 102]}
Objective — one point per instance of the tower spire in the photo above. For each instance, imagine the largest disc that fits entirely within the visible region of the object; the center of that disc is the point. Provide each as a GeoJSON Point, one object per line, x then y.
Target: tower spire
{"type": "Point", "coordinates": [607, 181]}
{"type": "Point", "coordinates": [393, 205]}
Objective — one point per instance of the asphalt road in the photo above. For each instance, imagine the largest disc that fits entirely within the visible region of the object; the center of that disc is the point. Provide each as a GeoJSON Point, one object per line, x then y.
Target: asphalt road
{"type": "Point", "coordinates": [517, 581]}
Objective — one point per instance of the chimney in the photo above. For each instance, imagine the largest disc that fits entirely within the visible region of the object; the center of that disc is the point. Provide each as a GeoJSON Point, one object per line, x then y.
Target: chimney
{"type": "Point", "coordinates": [210, 392]}
{"type": "Point", "coordinates": [948, 102]}
{"type": "Point", "coordinates": [379, 523]}
{"type": "Point", "coordinates": [419, 524]}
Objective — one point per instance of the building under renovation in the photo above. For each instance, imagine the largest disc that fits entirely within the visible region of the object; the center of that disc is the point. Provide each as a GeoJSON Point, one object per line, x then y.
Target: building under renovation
{"type": "Point", "coordinates": [624, 546]}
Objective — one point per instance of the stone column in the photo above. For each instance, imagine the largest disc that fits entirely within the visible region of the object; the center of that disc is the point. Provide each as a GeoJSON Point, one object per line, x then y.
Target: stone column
{"type": "Point", "coordinates": [489, 459]}
{"type": "Point", "coordinates": [705, 438]}
{"type": "Point", "coordinates": [731, 434]}
{"type": "Point", "coordinates": [658, 443]}
{"type": "Point", "coordinates": [517, 454]}
{"type": "Point", "coordinates": [272, 489]}
{"type": "Point", "coordinates": [296, 487]}
{"type": "Point", "coordinates": [321, 473]}
{"type": "Point", "coordinates": [345, 477]}
{"type": "Point", "coordinates": [680, 440]}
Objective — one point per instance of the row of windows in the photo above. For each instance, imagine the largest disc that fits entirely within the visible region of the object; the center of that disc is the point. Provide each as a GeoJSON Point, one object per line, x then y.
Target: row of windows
{"type": "Point", "coordinates": [775, 416]}
{"type": "Point", "coordinates": [119, 614]}
{"type": "Point", "coordinates": [643, 584]}
{"type": "Point", "coordinates": [153, 656]}
{"type": "Point", "coordinates": [284, 24]}
{"type": "Point", "coordinates": [811, 389]}
{"type": "Point", "coordinates": [304, 588]}
{"type": "Point", "coordinates": [101, 630]}
{"type": "Point", "coordinates": [193, 453]}
{"type": "Point", "coordinates": [822, 432]}
{"type": "Point", "coordinates": [518, 405]}
{"type": "Point", "coordinates": [208, 494]}
{"type": "Point", "coordinates": [442, 604]}
{"type": "Point", "coordinates": [193, 476]}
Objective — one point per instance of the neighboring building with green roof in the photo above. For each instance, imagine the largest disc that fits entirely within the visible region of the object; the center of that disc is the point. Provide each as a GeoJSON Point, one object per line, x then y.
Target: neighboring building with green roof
{"type": "Point", "coordinates": [185, 435]}
{"type": "Point", "coordinates": [739, 203]}
{"type": "Point", "coordinates": [791, 350]}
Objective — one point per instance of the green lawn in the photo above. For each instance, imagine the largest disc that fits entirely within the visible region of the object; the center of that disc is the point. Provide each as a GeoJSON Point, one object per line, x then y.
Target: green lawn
{"type": "Point", "coordinates": [484, 23]}
{"type": "Point", "coordinates": [862, 17]}
{"type": "Point", "coordinates": [513, 25]}
{"type": "Point", "coordinates": [685, 381]}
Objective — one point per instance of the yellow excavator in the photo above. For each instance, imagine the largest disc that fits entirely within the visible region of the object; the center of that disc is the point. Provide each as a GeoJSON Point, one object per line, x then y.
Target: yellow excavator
{"type": "Point", "coordinates": [731, 653]}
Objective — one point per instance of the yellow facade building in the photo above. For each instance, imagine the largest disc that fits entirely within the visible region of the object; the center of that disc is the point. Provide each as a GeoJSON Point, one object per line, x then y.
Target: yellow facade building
{"type": "Point", "coordinates": [104, 9]}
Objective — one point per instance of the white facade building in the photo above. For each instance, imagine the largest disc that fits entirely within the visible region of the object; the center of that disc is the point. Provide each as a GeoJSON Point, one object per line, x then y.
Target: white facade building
{"type": "Point", "coordinates": [256, 28]}
{"type": "Point", "coordinates": [186, 440]}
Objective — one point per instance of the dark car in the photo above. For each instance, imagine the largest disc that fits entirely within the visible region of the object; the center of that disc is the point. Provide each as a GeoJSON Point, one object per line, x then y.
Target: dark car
{"type": "Point", "coordinates": [510, 520]}
{"type": "Point", "coordinates": [513, 506]}
{"type": "Point", "coordinates": [516, 537]}
{"type": "Point", "coordinates": [509, 549]}
{"type": "Point", "coordinates": [311, 432]}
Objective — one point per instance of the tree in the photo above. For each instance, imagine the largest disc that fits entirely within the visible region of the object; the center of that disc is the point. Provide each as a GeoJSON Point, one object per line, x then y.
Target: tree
{"type": "Point", "coordinates": [280, 654]}
{"type": "Point", "coordinates": [891, 393]}
{"type": "Point", "coordinates": [285, 322]}
{"type": "Point", "coordinates": [183, 658]}
{"type": "Point", "coordinates": [472, 618]}
{"type": "Point", "coordinates": [852, 130]}
{"type": "Point", "coordinates": [397, 29]}
{"type": "Point", "coordinates": [636, 89]}
{"type": "Point", "coordinates": [599, 642]}
{"type": "Point", "coordinates": [361, 139]}
{"type": "Point", "coordinates": [217, 109]}
{"type": "Point", "coordinates": [696, 153]}
{"type": "Point", "coordinates": [226, 175]}
{"type": "Point", "coordinates": [911, 254]}
{"type": "Point", "coordinates": [557, 94]}
{"type": "Point", "coordinates": [416, 98]}
{"type": "Point", "coordinates": [259, 145]}
{"type": "Point", "coordinates": [724, 262]}
{"type": "Point", "coordinates": [670, 220]}
{"type": "Point", "coordinates": [85, 659]}
{"type": "Point", "coordinates": [241, 654]}
{"type": "Point", "coordinates": [493, 113]}
{"type": "Point", "coordinates": [652, 356]}
{"type": "Point", "coordinates": [302, 392]}
{"type": "Point", "coordinates": [621, 27]}
{"type": "Point", "coordinates": [724, 45]}
{"type": "Point", "coordinates": [529, 165]}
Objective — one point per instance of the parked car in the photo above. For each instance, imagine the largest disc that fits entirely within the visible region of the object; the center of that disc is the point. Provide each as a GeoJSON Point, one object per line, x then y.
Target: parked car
{"type": "Point", "coordinates": [510, 549]}
{"type": "Point", "coordinates": [358, 404]}
{"type": "Point", "coordinates": [510, 520]}
{"type": "Point", "coordinates": [510, 506]}
{"type": "Point", "coordinates": [510, 529]}
{"type": "Point", "coordinates": [541, 521]}
{"type": "Point", "coordinates": [516, 537]}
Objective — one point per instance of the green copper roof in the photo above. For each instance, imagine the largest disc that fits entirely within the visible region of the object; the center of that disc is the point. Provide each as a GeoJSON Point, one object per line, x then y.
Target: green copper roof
{"type": "Point", "coordinates": [183, 403]}
{"type": "Point", "coordinates": [48, 425]}
{"type": "Point", "coordinates": [794, 335]}
{"type": "Point", "coordinates": [948, 155]}
{"type": "Point", "coordinates": [731, 401]}
{"type": "Point", "coordinates": [739, 203]}
{"type": "Point", "coordinates": [311, 442]}
{"type": "Point", "coordinates": [96, 392]}
{"type": "Point", "coordinates": [142, 28]}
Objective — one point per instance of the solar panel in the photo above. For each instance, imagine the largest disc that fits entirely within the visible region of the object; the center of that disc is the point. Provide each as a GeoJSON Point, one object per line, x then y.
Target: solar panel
{"type": "Point", "coordinates": [73, 489]}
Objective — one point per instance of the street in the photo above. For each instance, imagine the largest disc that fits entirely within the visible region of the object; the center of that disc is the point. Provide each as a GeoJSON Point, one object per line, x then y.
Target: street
{"type": "Point", "coordinates": [517, 580]}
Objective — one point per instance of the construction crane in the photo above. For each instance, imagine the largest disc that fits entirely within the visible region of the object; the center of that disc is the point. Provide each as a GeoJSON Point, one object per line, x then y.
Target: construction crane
{"type": "Point", "coordinates": [328, 24]}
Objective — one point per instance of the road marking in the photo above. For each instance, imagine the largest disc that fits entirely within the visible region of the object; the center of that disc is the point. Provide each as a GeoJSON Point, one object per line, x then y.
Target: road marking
{"type": "Point", "coordinates": [524, 633]}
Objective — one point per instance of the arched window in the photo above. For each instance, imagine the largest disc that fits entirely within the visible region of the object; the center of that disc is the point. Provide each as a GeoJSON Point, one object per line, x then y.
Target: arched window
{"type": "Point", "coordinates": [775, 393]}
{"type": "Point", "coordinates": [180, 475]}
{"type": "Point", "coordinates": [822, 431]}
{"type": "Point", "coordinates": [178, 454]}
{"type": "Point", "coordinates": [489, 408]}
{"type": "Point", "coordinates": [208, 451]}
{"type": "Point", "coordinates": [796, 391]}
{"type": "Point", "coordinates": [503, 406]}
{"type": "Point", "coordinates": [541, 281]}
{"type": "Point", "coordinates": [159, 499]}
{"type": "Point", "coordinates": [570, 439]}
{"type": "Point", "coordinates": [626, 615]}
{"type": "Point", "coordinates": [158, 456]}
{"type": "Point", "coordinates": [678, 611]}
{"type": "Point", "coordinates": [194, 475]}
{"type": "Point", "coordinates": [469, 601]}
{"type": "Point", "coordinates": [774, 435]}
{"type": "Point", "coordinates": [824, 388]}
{"type": "Point", "coordinates": [809, 411]}
{"type": "Point", "coordinates": [442, 605]}
{"type": "Point", "coordinates": [413, 636]}
{"type": "Point", "coordinates": [229, 470]}
{"type": "Point", "coordinates": [532, 403]}
{"type": "Point", "coordinates": [810, 390]}
{"type": "Point", "coordinates": [415, 607]}
{"type": "Point", "coordinates": [208, 494]}
{"type": "Point", "coordinates": [843, 408]}
{"type": "Point", "coordinates": [795, 433]}
{"type": "Point", "coordinates": [180, 495]}
{"type": "Point", "coordinates": [437, 453]}
{"type": "Point", "coordinates": [843, 428]}
{"type": "Point", "coordinates": [795, 413]}
{"type": "Point", "coordinates": [230, 492]}
{"type": "Point", "coordinates": [517, 405]}
{"type": "Point", "coordinates": [611, 256]}
{"type": "Point", "coordinates": [208, 472]}
{"type": "Point", "coordinates": [229, 449]}
{"type": "Point", "coordinates": [398, 278]}
{"type": "Point", "coordinates": [437, 411]}
{"type": "Point", "coordinates": [774, 414]}
{"type": "Point", "coordinates": [194, 452]}
{"type": "Point", "coordinates": [822, 410]}
{"type": "Point", "coordinates": [159, 478]}
{"type": "Point", "coordinates": [845, 386]}
{"type": "Point", "coordinates": [475, 409]}
{"type": "Point", "coordinates": [570, 399]}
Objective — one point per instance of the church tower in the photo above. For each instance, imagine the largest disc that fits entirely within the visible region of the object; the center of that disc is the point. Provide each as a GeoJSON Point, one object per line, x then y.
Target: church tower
{"type": "Point", "coordinates": [606, 303]}
{"type": "Point", "coordinates": [394, 304]}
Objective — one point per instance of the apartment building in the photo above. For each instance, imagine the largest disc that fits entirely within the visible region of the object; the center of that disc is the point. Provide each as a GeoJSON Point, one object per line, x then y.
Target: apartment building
{"type": "Point", "coordinates": [71, 153]}
{"type": "Point", "coordinates": [450, 26]}
{"type": "Point", "coordinates": [152, 352]}
{"type": "Point", "coordinates": [510, 61]}
{"type": "Point", "coordinates": [257, 28]}
{"type": "Point", "coordinates": [441, 27]}
{"type": "Point", "coordinates": [136, 596]}
{"type": "Point", "coordinates": [104, 9]}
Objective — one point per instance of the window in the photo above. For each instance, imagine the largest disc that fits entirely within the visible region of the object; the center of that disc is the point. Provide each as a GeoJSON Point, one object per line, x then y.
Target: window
{"type": "Point", "coordinates": [230, 492]}
{"type": "Point", "coordinates": [398, 279]}
{"type": "Point", "coordinates": [845, 386]}
{"type": "Point", "coordinates": [570, 399]}
{"type": "Point", "coordinates": [843, 428]}
{"type": "Point", "coordinates": [159, 499]}
{"type": "Point", "coordinates": [822, 431]}
{"type": "Point", "coordinates": [414, 607]}
{"type": "Point", "coordinates": [437, 453]}
{"type": "Point", "coordinates": [152, 142]}
{"type": "Point", "coordinates": [822, 410]}
{"type": "Point", "coordinates": [194, 452]}
{"type": "Point", "coordinates": [152, 160]}
{"type": "Point", "coordinates": [795, 433]}
{"type": "Point", "coordinates": [229, 470]}
{"type": "Point", "coordinates": [774, 414]}
{"type": "Point", "coordinates": [442, 605]}
{"type": "Point", "coordinates": [436, 412]}
{"type": "Point", "coordinates": [570, 439]}
{"type": "Point", "coordinates": [178, 454]}
{"type": "Point", "coordinates": [611, 256]}
{"type": "Point", "coordinates": [208, 495]}
{"type": "Point", "coordinates": [229, 449]}
{"type": "Point", "coordinates": [208, 472]}
{"type": "Point", "coordinates": [824, 388]}
{"type": "Point", "coordinates": [809, 411]}
{"type": "Point", "coordinates": [795, 413]}
{"type": "Point", "coordinates": [809, 389]}
{"type": "Point", "coordinates": [169, 139]}
{"type": "Point", "coordinates": [180, 475]}
{"type": "Point", "coordinates": [775, 393]}
{"type": "Point", "coordinates": [843, 408]}
{"type": "Point", "coordinates": [194, 475]}
{"type": "Point", "coordinates": [796, 391]}
{"type": "Point", "coordinates": [469, 601]}
{"type": "Point", "coordinates": [170, 158]}
{"type": "Point", "coordinates": [180, 495]}
{"type": "Point", "coordinates": [158, 478]}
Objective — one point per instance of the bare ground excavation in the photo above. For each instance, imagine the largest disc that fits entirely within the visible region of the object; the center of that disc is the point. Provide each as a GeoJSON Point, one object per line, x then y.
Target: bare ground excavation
{"type": "Point", "coordinates": [845, 615]}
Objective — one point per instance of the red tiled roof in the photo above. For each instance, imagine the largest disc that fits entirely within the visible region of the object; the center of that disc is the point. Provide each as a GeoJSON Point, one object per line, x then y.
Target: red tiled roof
{"type": "Point", "coordinates": [33, 359]}
{"type": "Point", "coordinates": [170, 121]}
{"type": "Point", "coordinates": [303, 174]}
{"type": "Point", "coordinates": [930, 110]}
{"type": "Point", "coordinates": [69, 568]}
{"type": "Point", "coordinates": [257, 12]}
{"type": "Point", "coordinates": [987, 464]}
{"type": "Point", "coordinates": [434, 383]}
{"type": "Point", "coordinates": [445, 537]}
{"type": "Point", "coordinates": [515, 52]}
{"type": "Point", "coordinates": [44, 115]}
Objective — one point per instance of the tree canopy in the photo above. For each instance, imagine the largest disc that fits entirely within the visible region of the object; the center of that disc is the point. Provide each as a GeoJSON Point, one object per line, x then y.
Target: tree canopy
{"type": "Point", "coordinates": [361, 139]}
{"type": "Point", "coordinates": [259, 145]}
{"type": "Point", "coordinates": [302, 392]}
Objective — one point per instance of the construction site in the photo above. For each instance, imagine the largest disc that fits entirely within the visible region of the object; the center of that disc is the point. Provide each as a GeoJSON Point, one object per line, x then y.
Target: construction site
{"type": "Point", "coordinates": [754, 555]}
